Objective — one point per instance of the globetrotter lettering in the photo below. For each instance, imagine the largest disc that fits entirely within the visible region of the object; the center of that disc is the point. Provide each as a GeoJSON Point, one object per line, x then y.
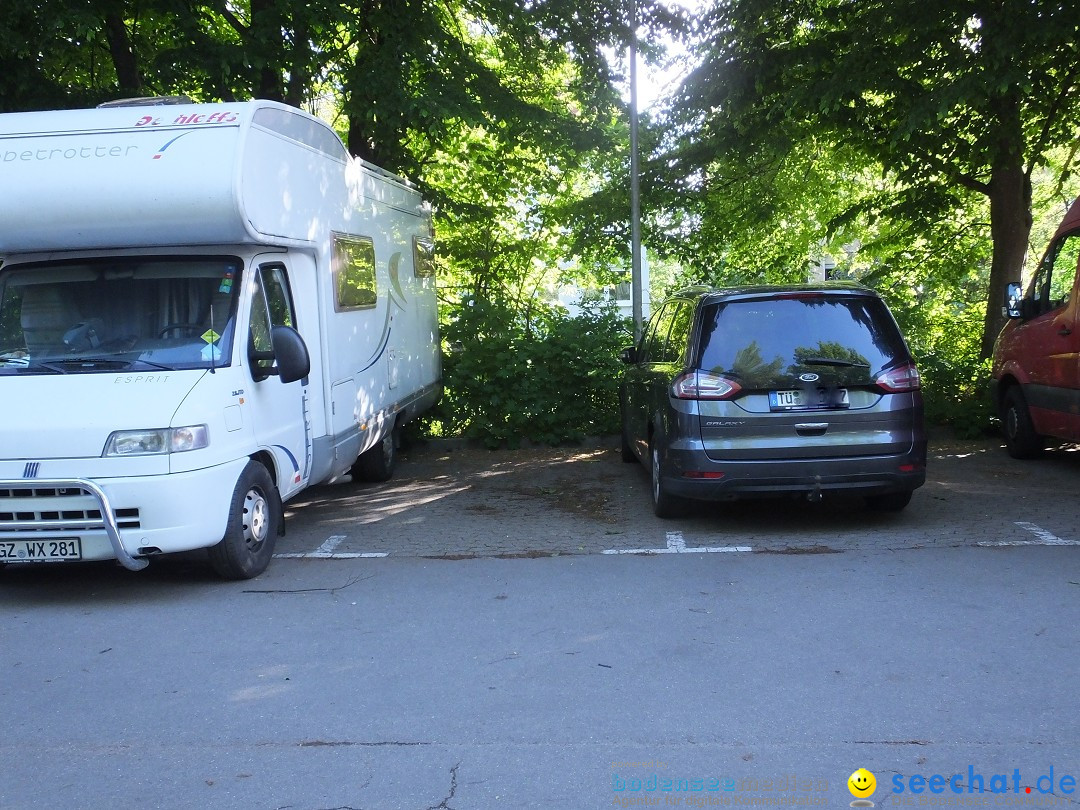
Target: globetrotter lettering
{"type": "Point", "coordinates": [71, 153]}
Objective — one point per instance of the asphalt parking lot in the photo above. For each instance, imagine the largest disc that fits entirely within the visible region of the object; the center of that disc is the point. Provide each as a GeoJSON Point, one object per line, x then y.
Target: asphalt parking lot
{"type": "Point", "coordinates": [453, 501]}
{"type": "Point", "coordinates": [515, 629]}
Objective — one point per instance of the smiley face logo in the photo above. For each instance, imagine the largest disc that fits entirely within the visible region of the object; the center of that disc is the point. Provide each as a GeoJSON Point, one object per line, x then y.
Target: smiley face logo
{"type": "Point", "coordinates": [862, 783]}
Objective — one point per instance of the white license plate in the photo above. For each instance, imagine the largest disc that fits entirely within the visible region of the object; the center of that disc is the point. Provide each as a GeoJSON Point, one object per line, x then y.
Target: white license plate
{"type": "Point", "coordinates": [44, 550]}
{"type": "Point", "coordinates": [819, 398]}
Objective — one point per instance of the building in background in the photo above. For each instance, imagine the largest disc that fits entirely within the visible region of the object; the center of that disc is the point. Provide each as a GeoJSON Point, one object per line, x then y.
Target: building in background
{"type": "Point", "coordinates": [574, 297]}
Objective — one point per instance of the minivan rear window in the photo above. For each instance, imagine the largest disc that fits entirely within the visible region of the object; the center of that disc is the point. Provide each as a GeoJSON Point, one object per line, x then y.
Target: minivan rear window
{"type": "Point", "coordinates": [773, 342]}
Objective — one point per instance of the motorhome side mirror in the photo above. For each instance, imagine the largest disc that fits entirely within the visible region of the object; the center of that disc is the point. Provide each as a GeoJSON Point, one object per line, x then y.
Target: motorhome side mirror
{"type": "Point", "coordinates": [628, 355]}
{"type": "Point", "coordinates": [1013, 301]}
{"type": "Point", "coordinates": [291, 353]}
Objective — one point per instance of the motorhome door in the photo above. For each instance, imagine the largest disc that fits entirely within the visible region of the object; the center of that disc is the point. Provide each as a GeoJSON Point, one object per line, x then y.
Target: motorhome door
{"type": "Point", "coordinates": [279, 410]}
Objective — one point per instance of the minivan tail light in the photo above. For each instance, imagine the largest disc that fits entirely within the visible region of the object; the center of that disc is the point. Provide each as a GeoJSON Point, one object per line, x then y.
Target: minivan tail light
{"type": "Point", "coordinates": [900, 379]}
{"type": "Point", "coordinates": [704, 385]}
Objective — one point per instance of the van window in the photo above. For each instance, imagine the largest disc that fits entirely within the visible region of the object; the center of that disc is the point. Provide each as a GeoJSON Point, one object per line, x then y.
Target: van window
{"type": "Point", "coordinates": [680, 332]}
{"type": "Point", "coordinates": [271, 305]}
{"type": "Point", "coordinates": [665, 340]}
{"type": "Point", "coordinates": [354, 273]}
{"type": "Point", "coordinates": [657, 348]}
{"type": "Point", "coordinates": [650, 344]}
{"type": "Point", "coordinates": [1054, 279]}
{"type": "Point", "coordinates": [769, 343]}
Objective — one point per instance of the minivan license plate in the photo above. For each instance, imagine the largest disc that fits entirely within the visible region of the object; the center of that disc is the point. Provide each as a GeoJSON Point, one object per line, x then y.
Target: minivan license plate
{"type": "Point", "coordinates": [46, 550]}
{"type": "Point", "coordinates": [796, 399]}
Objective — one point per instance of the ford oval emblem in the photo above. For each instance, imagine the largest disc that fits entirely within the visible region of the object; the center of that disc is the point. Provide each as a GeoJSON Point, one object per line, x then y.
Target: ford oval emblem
{"type": "Point", "coordinates": [808, 377]}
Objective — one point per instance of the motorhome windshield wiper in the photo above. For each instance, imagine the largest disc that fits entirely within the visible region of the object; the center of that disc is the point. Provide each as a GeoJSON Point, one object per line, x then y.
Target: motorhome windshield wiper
{"type": "Point", "coordinates": [120, 362]}
{"type": "Point", "coordinates": [152, 364]}
{"type": "Point", "coordinates": [67, 364]}
{"type": "Point", "coordinates": [74, 363]}
{"type": "Point", "coordinates": [40, 366]}
{"type": "Point", "coordinates": [832, 361]}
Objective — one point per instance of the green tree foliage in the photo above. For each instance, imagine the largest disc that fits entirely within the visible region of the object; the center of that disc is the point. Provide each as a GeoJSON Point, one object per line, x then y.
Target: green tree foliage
{"type": "Point", "coordinates": [503, 112]}
{"type": "Point", "coordinates": [951, 100]}
{"type": "Point", "coordinates": [544, 378]}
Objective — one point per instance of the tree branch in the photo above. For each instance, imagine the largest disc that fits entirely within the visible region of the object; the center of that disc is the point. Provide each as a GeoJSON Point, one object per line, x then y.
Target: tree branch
{"type": "Point", "coordinates": [1051, 116]}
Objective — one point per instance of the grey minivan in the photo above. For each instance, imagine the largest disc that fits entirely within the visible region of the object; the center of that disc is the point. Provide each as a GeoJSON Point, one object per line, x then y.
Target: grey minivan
{"type": "Point", "coordinates": [801, 390]}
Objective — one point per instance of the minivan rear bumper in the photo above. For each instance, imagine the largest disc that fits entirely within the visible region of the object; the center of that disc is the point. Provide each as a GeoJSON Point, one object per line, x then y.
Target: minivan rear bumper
{"type": "Point", "coordinates": [691, 474]}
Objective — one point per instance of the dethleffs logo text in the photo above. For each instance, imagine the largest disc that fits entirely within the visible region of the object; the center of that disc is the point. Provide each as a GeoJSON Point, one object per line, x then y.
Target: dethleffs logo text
{"type": "Point", "coordinates": [976, 782]}
{"type": "Point", "coordinates": [220, 117]}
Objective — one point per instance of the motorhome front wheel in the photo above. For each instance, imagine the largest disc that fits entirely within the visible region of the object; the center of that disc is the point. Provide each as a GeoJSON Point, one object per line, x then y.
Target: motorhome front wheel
{"type": "Point", "coordinates": [253, 526]}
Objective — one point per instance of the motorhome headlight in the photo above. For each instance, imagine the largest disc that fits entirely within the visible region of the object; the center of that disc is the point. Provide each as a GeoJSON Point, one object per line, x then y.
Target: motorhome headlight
{"type": "Point", "coordinates": [156, 441]}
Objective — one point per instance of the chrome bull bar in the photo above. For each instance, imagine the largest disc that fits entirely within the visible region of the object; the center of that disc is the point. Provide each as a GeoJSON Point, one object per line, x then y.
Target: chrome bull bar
{"type": "Point", "coordinates": [107, 523]}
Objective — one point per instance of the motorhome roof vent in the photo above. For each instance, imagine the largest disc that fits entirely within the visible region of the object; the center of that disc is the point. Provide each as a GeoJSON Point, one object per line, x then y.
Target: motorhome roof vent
{"type": "Point", "coordinates": [146, 101]}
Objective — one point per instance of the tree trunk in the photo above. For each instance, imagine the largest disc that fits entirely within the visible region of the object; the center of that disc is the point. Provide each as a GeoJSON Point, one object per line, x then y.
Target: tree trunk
{"type": "Point", "coordinates": [299, 82]}
{"type": "Point", "coordinates": [128, 80]}
{"type": "Point", "coordinates": [1010, 227]}
{"type": "Point", "coordinates": [262, 42]}
{"type": "Point", "coordinates": [1010, 216]}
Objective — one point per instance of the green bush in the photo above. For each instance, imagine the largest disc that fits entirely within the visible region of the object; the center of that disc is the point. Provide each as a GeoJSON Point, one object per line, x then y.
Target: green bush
{"type": "Point", "coordinates": [946, 342]}
{"type": "Point", "coordinates": [539, 376]}
{"type": "Point", "coordinates": [958, 395]}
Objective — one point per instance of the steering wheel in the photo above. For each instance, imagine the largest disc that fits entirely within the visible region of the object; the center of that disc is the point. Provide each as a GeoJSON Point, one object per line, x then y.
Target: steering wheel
{"type": "Point", "coordinates": [191, 328]}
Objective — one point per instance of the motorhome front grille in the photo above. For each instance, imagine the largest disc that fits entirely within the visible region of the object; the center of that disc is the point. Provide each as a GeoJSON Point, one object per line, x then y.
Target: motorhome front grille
{"type": "Point", "coordinates": [56, 509]}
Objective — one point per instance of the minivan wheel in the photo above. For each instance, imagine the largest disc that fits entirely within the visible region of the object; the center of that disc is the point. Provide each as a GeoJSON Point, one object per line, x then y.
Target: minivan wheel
{"type": "Point", "coordinates": [665, 505]}
{"type": "Point", "coordinates": [889, 502]}
{"type": "Point", "coordinates": [1021, 440]}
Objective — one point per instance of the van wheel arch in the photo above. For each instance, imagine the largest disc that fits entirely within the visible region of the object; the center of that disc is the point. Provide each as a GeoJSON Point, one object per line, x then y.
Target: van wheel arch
{"type": "Point", "coordinates": [1021, 439]}
{"type": "Point", "coordinates": [267, 460]}
{"type": "Point", "coordinates": [1005, 384]}
{"type": "Point", "coordinates": [255, 520]}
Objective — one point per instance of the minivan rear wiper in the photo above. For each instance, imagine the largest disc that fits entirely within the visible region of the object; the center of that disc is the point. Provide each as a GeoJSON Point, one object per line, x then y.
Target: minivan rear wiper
{"type": "Point", "coordinates": [832, 361]}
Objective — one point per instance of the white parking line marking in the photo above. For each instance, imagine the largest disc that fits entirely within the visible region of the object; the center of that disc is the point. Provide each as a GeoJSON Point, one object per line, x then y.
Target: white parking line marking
{"type": "Point", "coordinates": [342, 555]}
{"type": "Point", "coordinates": [676, 544]}
{"type": "Point", "coordinates": [1045, 538]}
{"type": "Point", "coordinates": [327, 548]}
{"type": "Point", "coordinates": [328, 551]}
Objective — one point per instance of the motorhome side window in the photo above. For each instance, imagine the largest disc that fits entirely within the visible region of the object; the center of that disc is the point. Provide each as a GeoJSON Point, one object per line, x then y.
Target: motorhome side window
{"type": "Point", "coordinates": [423, 257]}
{"type": "Point", "coordinates": [1054, 279]}
{"type": "Point", "coordinates": [271, 305]}
{"type": "Point", "coordinates": [117, 314]}
{"type": "Point", "coordinates": [354, 273]}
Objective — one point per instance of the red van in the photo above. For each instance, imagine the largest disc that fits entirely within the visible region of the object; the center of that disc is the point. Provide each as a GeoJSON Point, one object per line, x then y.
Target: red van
{"type": "Point", "coordinates": [1036, 372]}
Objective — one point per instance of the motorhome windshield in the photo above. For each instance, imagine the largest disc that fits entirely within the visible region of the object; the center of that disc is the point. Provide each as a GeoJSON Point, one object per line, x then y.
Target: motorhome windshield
{"type": "Point", "coordinates": [117, 314]}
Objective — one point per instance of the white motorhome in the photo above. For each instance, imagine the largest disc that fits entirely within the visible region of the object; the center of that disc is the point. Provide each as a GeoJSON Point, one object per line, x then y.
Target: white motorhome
{"type": "Point", "coordinates": [204, 309]}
